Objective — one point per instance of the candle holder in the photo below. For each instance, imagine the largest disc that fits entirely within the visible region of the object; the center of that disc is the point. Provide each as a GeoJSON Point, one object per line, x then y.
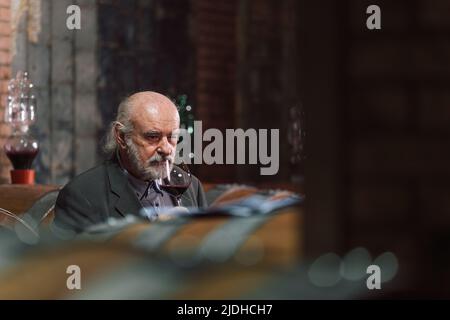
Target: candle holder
{"type": "Point", "coordinates": [21, 147]}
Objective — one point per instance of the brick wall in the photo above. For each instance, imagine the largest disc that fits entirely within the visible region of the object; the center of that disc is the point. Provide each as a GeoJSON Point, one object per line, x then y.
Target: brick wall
{"type": "Point", "coordinates": [246, 56]}
{"type": "Point", "coordinates": [5, 72]}
{"type": "Point", "coordinates": [267, 83]}
{"type": "Point", "coordinates": [216, 53]}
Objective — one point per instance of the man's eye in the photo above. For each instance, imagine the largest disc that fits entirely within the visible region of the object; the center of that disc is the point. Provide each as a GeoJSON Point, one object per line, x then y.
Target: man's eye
{"type": "Point", "coordinates": [153, 137]}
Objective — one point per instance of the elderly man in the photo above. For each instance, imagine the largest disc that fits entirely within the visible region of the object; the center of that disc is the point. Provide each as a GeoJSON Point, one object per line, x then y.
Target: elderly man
{"type": "Point", "coordinates": [141, 142]}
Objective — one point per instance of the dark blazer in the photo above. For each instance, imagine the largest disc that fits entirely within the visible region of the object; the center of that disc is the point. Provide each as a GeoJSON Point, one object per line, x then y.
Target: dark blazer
{"type": "Point", "coordinates": [103, 192]}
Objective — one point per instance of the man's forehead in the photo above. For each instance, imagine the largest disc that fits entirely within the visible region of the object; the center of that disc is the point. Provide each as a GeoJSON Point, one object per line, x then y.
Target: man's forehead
{"type": "Point", "coordinates": [153, 109]}
{"type": "Point", "coordinates": [151, 117]}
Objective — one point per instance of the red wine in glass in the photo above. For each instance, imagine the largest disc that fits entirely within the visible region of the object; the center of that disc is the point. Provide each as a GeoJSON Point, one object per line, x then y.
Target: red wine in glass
{"type": "Point", "coordinates": [174, 190]}
{"type": "Point", "coordinates": [179, 182]}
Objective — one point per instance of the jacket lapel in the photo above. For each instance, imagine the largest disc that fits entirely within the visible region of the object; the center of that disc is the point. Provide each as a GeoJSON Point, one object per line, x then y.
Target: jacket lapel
{"type": "Point", "coordinates": [126, 202]}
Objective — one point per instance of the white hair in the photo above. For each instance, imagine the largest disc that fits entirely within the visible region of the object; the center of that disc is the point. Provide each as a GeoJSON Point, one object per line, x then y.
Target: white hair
{"type": "Point", "coordinates": [124, 124]}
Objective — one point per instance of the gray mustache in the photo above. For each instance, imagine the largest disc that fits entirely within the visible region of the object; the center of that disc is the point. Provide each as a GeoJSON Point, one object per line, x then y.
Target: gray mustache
{"type": "Point", "coordinates": [158, 158]}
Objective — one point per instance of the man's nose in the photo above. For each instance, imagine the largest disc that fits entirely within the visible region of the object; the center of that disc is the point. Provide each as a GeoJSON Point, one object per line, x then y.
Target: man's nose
{"type": "Point", "coordinates": [164, 148]}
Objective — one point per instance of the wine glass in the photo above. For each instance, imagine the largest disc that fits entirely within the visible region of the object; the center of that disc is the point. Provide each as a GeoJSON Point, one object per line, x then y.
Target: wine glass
{"type": "Point", "coordinates": [176, 181]}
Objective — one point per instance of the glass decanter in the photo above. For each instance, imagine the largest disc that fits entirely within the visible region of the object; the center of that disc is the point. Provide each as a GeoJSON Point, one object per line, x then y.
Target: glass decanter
{"type": "Point", "coordinates": [21, 147]}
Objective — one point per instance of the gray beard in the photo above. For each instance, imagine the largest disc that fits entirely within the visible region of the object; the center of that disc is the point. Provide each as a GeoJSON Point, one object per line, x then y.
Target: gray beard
{"type": "Point", "coordinates": [145, 169]}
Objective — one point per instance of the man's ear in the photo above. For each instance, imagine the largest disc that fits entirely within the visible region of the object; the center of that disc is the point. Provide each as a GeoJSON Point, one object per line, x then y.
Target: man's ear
{"type": "Point", "coordinates": [119, 135]}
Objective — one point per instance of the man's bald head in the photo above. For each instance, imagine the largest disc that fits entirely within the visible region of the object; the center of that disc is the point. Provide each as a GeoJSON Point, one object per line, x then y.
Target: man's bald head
{"type": "Point", "coordinates": [149, 103]}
